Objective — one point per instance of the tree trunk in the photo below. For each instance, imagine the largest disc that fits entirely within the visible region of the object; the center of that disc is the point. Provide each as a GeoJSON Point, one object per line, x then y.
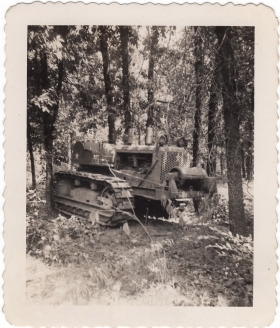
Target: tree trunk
{"type": "Point", "coordinates": [124, 34]}
{"type": "Point", "coordinates": [249, 166]}
{"type": "Point", "coordinates": [211, 163]}
{"type": "Point", "coordinates": [49, 171]}
{"type": "Point", "coordinates": [70, 141]}
{"type": "Point", "coordinates": [48, 134]}
{"type": "Point", "coordinates": [153, 44]}
{"type": "Point", "coordinates": [30, 150]}
{"type": "Point", "coordinates": [198, 77]}
{"type": "Point", "coordinates": [49, 119]}
{"type": "Point", "coordinates": [243, 163]}
{"type": "Point", "coordinates": [250, 144]}
{"type": "Point", "coordinates": [103, 36]}
{"type": "Point", "coordinates": [230, 109]}
{"type": "Point", "coordinates": [222, 163]}
{"type": "Point", "coordinates": [48, 129]}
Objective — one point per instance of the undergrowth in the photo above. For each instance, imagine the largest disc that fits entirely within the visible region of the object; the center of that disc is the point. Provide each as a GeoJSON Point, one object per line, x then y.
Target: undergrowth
{"type": "Point", "coordinates": [201, 265]}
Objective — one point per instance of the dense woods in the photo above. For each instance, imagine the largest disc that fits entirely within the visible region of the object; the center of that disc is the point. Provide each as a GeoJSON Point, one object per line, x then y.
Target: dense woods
{"type": "Point", "coordinates": [94, 82]}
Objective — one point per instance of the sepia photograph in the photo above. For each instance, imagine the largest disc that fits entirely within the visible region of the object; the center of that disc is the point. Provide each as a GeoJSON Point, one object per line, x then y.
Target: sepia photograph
{"type": "Point", "coordinates": [140, 165]}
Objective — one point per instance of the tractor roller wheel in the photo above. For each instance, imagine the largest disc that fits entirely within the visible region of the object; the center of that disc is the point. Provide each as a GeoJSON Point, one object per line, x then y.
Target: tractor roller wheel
{"type": "Point", "coordinates": [109, 193]}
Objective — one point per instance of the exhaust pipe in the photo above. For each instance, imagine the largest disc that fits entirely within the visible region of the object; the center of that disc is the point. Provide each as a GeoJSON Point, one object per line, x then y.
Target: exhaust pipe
{"type": "Point", "coordinates": [149, 136]}
{"type": "Point", "coordinates": [130, 136]}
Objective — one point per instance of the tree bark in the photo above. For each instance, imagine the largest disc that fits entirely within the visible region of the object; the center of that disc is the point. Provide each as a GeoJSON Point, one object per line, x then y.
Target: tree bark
{"type": "Point", "coordinates": [124, 35]}
{"type": "Point", "coordinates": [48, 133]}
{"type": "Point", "coordinates": [70, 141]}
{"type": "Point", "coordinates": [250, 144]}
{"type": "Point", "coordinates": [30, 150]}
{"type": "Point", "coordinates": [49, 167]}
{"type": "Point", "coordinates": [211, 163]}
{"type": "Point", "coordinates": [198, 77]}
{"type": "Point", "coordinates": [153, 44]}
{"type": "Point", "coordinates": [230, 110]}
{"type": "Point", "coordinates": [49, 119]}
{"type": "Point", "coordinates": [243, 163]}
{"type": "Point", "coordinates": [222, 163]}
{"type": "Point", "coordinates": [103, 37]}
{"type": "Point", "coordinates": [249, 165]}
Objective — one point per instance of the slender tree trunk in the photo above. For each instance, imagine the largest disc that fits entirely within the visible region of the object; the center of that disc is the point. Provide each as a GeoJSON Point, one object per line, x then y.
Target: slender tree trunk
{"type": "Point", "coordinates": [30, 150]}
{"type": "Point", "coordinates": [103, 36]}
{"type": "Point", "coordinates": [249, 166]}
{"type": "Point", "coordinates": [49, 167]}
{"type": "Point", "coordinates": [153, 45]}
{"type": "Point", "coordinates": [70, 141]}
{"type": "Point", "coordinates": [124, 34]}
{"type": "Point", "coordinates": [230, 110]}
{"type": "Point", "coordinates": [49, 119]}
{"type": "Point", "coordinates": [243, 163]}
{"type": "Point", "coordinates": [48, 134]}
{"type": "Point", "coordinates": [222, 163]}
{"type": "Point", "coordinates": [211, 163]}
{"type": "Point", "coordinates": [198, 76]}
{"type": "Point", "coordinates": [111, 128]}
{"type": "Point", "coordinates": [167, 129]}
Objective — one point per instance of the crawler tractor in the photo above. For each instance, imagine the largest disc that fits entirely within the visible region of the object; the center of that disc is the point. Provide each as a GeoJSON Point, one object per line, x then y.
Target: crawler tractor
{"type": "Point", "coordinates": [112, 181]}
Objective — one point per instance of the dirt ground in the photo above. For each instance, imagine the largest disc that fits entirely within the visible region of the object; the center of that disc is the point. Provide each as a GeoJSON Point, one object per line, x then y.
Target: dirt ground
{"type": "Point", "coordinates": [176, 268]}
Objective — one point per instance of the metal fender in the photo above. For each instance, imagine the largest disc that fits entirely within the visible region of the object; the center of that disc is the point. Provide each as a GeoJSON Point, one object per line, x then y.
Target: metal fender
{"type": "Point", "coordinates": [210, 186]}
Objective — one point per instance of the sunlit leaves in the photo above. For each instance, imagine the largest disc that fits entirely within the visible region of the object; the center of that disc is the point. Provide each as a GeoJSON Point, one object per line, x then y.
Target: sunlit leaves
{"type": "Point", "coordinates": [44, 101]}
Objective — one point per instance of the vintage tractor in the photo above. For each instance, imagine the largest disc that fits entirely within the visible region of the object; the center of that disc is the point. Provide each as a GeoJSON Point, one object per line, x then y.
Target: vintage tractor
{"type": "Point", "coordinates": [111, 181]}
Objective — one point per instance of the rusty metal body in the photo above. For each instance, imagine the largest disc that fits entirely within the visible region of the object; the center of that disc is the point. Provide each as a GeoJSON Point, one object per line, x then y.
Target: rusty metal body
{"type": "Point", "coordinates": [94, 197]}
{"type": "Point", "coordinates": [155, 173]}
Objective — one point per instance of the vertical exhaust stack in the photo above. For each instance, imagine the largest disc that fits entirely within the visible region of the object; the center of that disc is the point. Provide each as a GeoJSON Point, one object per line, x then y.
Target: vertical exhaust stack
{"type": "Point", "coordinates": [130, 136]}
{"type": "Point", "coordinates": [149, 136]}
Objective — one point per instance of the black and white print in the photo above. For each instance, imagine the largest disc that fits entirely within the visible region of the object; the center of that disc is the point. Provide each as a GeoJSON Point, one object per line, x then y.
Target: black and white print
{"type": "Point", "coordinates": [140, 165]}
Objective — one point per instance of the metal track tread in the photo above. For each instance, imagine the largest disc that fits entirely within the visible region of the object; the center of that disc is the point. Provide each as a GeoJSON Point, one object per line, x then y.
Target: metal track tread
{"type": "Point", "coordinates": [82, 206]}
{"type": "Point", "coordinates": [122, 190]}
